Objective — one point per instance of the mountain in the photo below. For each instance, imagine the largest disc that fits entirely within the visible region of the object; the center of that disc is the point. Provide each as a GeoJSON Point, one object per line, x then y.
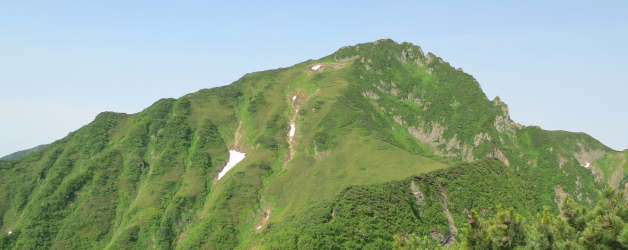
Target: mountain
{"type": "Point", "coordinates": [374, 141]}
{"type": "Point", "coordinates": [19, 154]}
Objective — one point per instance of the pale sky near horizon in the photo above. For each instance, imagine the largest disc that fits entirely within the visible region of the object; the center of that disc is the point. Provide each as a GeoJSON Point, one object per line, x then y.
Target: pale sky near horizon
{"type": "Point", "coordinates": [559, 65]}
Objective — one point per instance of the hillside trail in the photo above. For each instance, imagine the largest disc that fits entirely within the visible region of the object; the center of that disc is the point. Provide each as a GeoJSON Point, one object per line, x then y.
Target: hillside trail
{"type": "Point", "coordinates": [237, 137]}
{"type": "Point", "coordinates": [265, 216]}
{"type": "Point", "coordinates": [295, 103]}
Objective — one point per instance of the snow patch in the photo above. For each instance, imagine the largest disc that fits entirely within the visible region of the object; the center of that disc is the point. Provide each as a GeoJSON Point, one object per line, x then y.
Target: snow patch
{"type": "Point", "coordinates": [587, 165]}
{"type": "Point", "coordinates": [292, 130]}
{"type": "Point", "coordinates": [316, 67]}
{"type": "Point", "coordinates": [234, 158]}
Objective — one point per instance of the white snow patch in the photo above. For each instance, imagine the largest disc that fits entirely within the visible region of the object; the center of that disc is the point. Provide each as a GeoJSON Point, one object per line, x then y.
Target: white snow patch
{"type": "Point", "coordinates": [587, 165]}
{"type": "Point", "coordinates": [234, 158]}
{"type": "Point", "coordinates": [292, 130]}
{"type": "Point", "coordinates": [294, 98]}
{"type": "Point", "coordinates": [258, 227]}
{"type": "Point", "coordinates": [316, 67]}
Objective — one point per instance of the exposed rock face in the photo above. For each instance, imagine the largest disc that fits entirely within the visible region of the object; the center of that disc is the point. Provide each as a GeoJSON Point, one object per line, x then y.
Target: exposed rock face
{"type": "Point", "coordinates": [434, 138]}
{"type": "Point", "coordinates": [429, 58]}
{"type": "Point", "coordinates": [388, 88]}
{"type": "Point", "coordinates": [559, 198]}
{"type": "Point", "coordinates": [419, 198]}
{"type": "Point", "coordinates": [370, 94]}
{"type": "Point", "coordinates": [432, 132]}
{"type": "Point", "coordinates": [587, 157]}
{"type": "Point", "coordinates": [394, 91]}
{"type": "Point", "coordinates": [503, 123]}
{"type": "Point", "coordinates": [413, 53]}
{"type": "Point", "coordinates": [499, 155]}
{"type": "Point", "coordinates": [419, 102]}
{"type": "Point", "coordinates": [453, 143]}
{"type": "Point", "coordinates": [431, 137]}
{"type": "Point", "coordinates": [616, 177]}
{"type": "Point", "coordinates": [467, 153]}
{"type": "Point", "coordinates": [404, 56]}
{"type": "Point", "coordinates": [479, 138]}
{"type": "Point", "coordinates": [453, 231]}
{"type": "Point", "coordinates": [561, 161]}
{"type": "Point", "coordinates": [578, 188]}
{"type": "Point", "coordinates": [398, 119]}
{"type": "Point", "coordinates": [499, 103]}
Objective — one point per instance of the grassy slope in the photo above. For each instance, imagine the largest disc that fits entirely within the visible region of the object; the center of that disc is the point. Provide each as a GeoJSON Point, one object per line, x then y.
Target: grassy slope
{"type": "Point", "coordinates": [148, 180]}
{"type": "Point", "coordinates": [356, 160]}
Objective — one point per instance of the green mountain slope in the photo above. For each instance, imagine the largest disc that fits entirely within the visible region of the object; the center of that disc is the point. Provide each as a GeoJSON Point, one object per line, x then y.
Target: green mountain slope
{"type": "Point", "coordinates": [387, 141]}
{"type": "Point", "coordinates": [19, 154]}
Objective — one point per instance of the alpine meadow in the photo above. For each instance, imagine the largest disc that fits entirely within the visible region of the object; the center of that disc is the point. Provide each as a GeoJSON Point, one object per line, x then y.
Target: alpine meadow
{"type": "Point", "coordinates": [376, 146]}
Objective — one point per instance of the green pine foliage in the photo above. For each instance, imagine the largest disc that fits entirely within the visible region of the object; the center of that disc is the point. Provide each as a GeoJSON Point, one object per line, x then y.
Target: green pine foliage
{"type": "Point", "coordinates": [603, 227]}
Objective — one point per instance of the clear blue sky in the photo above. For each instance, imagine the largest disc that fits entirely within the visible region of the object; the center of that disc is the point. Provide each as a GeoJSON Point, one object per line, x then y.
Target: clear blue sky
{"type": "Point", "coordinates": [560, 65]}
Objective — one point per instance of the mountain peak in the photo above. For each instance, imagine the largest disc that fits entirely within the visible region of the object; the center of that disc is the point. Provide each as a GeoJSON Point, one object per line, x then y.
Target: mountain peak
{"type": "Point", "coordinates": [372, 126]}
{"type": "Point", "coordinates": [381, 46]}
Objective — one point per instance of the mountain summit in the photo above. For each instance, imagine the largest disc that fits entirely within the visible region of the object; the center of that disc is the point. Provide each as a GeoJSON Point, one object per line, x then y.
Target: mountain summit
{"type": "Point", "coordinates": [348, 151]}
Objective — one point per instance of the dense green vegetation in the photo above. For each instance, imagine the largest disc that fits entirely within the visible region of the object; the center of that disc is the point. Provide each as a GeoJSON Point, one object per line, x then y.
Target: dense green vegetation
{"type": "Point", "coordinates": [603, 227]}
{"type": "Point", "coordinates": [390, 144]}
{"type": "Point", "coordinates": [370, 216]}
{"type": "Point", "coordinates": [383, 216]}
{"type": "Point", "coordinates": [19, 154]}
